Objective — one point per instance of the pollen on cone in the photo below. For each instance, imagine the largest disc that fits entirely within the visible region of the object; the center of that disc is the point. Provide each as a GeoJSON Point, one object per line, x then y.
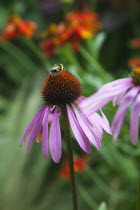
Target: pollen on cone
{"type": "Point", "coordinates": [136, 70]}
{"type": "Point", "coordinates": [60, 89]}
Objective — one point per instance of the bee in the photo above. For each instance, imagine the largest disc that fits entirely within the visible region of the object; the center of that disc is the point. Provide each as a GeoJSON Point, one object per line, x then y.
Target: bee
{"type": "Point", "coordinates": [56, 69]}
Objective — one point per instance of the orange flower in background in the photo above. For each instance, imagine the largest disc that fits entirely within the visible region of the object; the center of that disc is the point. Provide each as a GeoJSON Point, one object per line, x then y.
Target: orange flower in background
{"type": "Point", "coordinates": [134, 62]}
{"type": "Point", "coordinates": [76, 26]}
{"type": "Point", "coordinates": [80, 164]}
{"type": "Point", "coordinates": [135, 43]}
{"type": "Point", "coordinates": [48, 47]}
{"type": "Point", "coordinates": [16, 27]}
{"type": "Point", "coordinates": [86, 19]}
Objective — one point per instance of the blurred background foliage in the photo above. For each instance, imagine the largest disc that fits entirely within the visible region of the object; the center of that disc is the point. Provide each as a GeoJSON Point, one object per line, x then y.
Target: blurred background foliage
{"type": "Point", "coordinates": [30, 181]}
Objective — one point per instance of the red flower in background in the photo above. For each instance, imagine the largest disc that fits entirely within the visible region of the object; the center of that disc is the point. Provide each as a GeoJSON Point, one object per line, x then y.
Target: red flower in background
{"type": "Point", "coordinates": [80, 164]}
{"type": "Point", "coordinates": [48, 47]}
{"type": "Point", "coordinates": [135, 43]}
{"type": "Point", "coordinates": [134, 62]}
{"type": "Point", "coordinates": [16, 27]}
{"type": "Point", "coordinates": [76, 26]}
{"type": "Point", "coordinates": [86, 19]}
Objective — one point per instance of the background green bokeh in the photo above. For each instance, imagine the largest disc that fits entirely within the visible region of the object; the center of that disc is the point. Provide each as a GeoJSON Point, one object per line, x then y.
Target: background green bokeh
{"type": "Point", "coordinates": [30, 181]}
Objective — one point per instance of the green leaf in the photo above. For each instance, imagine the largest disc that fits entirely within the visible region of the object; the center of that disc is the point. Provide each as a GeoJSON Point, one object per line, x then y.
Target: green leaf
{"type": "Point", "coordinates": [102, 206]}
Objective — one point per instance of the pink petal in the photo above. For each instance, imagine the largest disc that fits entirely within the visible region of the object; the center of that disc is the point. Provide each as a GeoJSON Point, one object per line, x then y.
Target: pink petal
{"type": "Point", "coordinates": [119, 117]}
{"type": "Point", "coordinates": [88, 129]}
{"type": "Point", "coordinates": [35, 131]}
{"type": "Point", "coordinates": [134, 121]}
{"type": "Point", "coordinates": [79, 100]}
{"type": "Point", "coordinates": [34, 120]}
{"type": "Point", "coordinates": [45, 134]}
{"type": "Point", "coordinates": [78, 132]}
{"type": "Point", "coordinates": [55, 138]}
{"type": "Point", "coordinates": [94, 119]}
{"type": "Point", "coordinates": [116, 84]}
{"type": "Point", "coordinates": [98, 100]}
{"type": "Point", "coordinates": [105, 124]}
{"type": "Point", "coordinates": [118, 98]}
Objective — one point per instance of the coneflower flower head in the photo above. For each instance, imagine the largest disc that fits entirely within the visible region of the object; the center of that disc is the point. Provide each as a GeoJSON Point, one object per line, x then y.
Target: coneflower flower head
{"type": "Point", "coordinates": [126, 91]}
{"type": "Point", "coordinates": [136, 75]}
{"type": "Point", "coordinates": [62, 89]}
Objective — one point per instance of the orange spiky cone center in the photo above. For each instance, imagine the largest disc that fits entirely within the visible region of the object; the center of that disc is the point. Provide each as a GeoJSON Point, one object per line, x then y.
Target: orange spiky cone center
{"type": "Point", "coordinates": [136, 75]}
{"type": "Point", "coordinates": [61, 89]}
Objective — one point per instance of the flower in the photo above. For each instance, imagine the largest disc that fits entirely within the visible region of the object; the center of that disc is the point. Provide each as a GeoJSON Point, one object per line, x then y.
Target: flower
{"type": "Point", "coordinates": [135, 43]}
{"type": "Point", "coordinates": [48, 47]}
{"type": "Point", "coordinates": [86, 19]}
{"type": "Point", "coordinates": [77, 25]}
{"type": "Point", "coordinates": [62, 89]}
{"type": "Point", "coordinates": [134, 62]}
{"type": "Point", "coordinates": [126, 91]}
{"type": "Point", "coordinates": [16, 27]}
{"type": "Point", "coordinates": [80, 164]}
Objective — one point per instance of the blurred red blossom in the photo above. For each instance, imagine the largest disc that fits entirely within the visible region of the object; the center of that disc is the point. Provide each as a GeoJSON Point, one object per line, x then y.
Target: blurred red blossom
{"type": "Point", "coordinates": [134, 62]}
{"type": "Point", "coordinates": [77, 25]}
{"type": "Point", "coordinates": [16, 26]}
{"type": "Point", "coordinates": [80, 164]}
{"type": "Point", "coordinates": [135, 43]}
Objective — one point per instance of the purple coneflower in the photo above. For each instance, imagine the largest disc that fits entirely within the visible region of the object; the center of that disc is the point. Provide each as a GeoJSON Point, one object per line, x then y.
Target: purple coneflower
{"type": "Point", "coordinates": [126, 91]}
{"type": "Point", "coordinates": [62, 90]}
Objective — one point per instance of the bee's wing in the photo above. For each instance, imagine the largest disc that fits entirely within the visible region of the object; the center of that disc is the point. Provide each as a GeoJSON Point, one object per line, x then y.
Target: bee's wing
{"type": "Point", "coordinates": [54, 68]}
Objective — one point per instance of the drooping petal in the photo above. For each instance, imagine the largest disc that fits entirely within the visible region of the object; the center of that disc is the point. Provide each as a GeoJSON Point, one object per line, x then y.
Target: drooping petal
{"type": "Point", "coordinates": [94, 119]}
{"type": "Point", "coordinates": [116, 84]}
{"type": "Point", "coordinates": [115, 89]}
{"type": "Point", "coordinates": [134, 121]}
{"type": "Point", "coordinates": [97, 120]}
{"type": "Point", "coordinates": [90, 132]}
{"type": "Point", "coordinates": [117, 99]}
{"type": "Point", "coordinates": [79, 100]}
{"type": "Point", "coordinates": [98, 100]}
{"type": "Point", "coordinates": [35, 130]}
{"type": "Point", "coordinates": [34, 120]}
{"type": "Point", "coordinates": [78, 132]}
{"type": "Point", "coordinates": [45, 134]}
{"type": "Point", "coordinates": [119, 117]}
{"type": "Point", "coordinates": [55, 138]}
{"type": "Point", "coordinates": [105, 123]}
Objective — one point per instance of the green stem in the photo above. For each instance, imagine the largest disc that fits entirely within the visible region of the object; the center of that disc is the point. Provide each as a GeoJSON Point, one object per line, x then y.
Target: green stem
{"type": "Point", "coordinates": [37, 51]}
{"type": "Point", "coordinates": [19, 55]}
{"type": "Point", "coordinates": [93, 61]}
{"type": "Point", "coordinates": [70, 155]}
{"type": "Point", "coordinates": [87, 197]}
{"type": "Point", "coordinates": [138, 196]}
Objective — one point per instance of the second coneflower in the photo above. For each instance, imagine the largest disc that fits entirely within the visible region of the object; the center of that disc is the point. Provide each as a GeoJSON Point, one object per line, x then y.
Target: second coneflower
{"type": "Point", "coordinates": [126, 91]}
{"type": "Point", "coordinates": [62, 91]}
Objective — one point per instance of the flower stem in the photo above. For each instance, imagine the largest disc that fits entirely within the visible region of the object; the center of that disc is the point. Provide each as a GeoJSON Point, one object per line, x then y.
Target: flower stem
{"type": "Point", "coordinates": [138, 196]}
{"type": "Point", "coordinates": [70, 156]}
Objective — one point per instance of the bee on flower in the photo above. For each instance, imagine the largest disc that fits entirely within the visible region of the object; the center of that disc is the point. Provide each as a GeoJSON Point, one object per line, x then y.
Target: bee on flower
{"type": "Point", "coordinates": [62, 91]}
